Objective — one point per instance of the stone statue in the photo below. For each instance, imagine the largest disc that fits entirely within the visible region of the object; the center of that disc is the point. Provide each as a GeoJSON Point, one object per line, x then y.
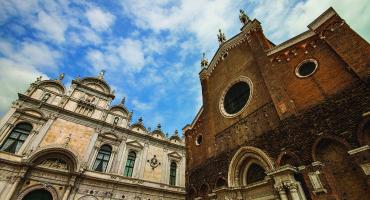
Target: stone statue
{"type": "Point", "coordinates": [61, 77]}
{"type": "Point", "coordinates": [38, 79]}
{"type": "Point", "coordinates": [101, 74]}
{"type": "Point", "coordinates": [244, 19]}
{"type": "Point", "coordinates": [204, 61]}
{"type": "Point", "coordinates": [123, 101]}
{"type": "Point", "coordinates": [221, 37]}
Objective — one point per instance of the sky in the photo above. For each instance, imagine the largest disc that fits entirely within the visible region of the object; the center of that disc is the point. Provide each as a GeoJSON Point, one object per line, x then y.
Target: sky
{"type": "Point", "coordinates": [150, 49]}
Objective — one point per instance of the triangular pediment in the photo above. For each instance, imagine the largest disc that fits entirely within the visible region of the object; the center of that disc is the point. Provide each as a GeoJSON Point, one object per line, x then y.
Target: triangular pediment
{"type": "Point", "coordinates": [135, 143]}
{"type": "Point", "coordinates": [174, 154]}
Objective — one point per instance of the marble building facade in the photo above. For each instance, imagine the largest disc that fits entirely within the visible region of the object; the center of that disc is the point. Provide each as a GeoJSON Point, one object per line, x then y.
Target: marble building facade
{"type": "Point", "coordinates": [63, 144]}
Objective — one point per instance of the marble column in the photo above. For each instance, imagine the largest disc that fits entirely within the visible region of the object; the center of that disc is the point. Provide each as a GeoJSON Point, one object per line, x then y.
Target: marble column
{"type": "Point", "coordinates": [281, 190]}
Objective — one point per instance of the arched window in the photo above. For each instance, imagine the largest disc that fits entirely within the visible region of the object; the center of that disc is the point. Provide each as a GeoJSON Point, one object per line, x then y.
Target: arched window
{"type": "Point", "coordinates": [115, 121]}
{"type": "Point", "coordinates": [173, 169]}
{"type": "Point", "coordinates": [40, 194]}
{"type": "Point", "coordinates": [129, 169]}
{"type": "Point", "coordinates": [102, 158]}
{"type": "Point", "coordinates": [16, 138]}
{"type": "Point", "coordinates": [255, 174]}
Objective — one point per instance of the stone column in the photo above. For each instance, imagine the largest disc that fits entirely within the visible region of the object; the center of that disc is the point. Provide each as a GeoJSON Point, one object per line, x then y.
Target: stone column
{"type": "Point", "coordinates": [69, 187]}
{"type": "Point", "coordinates": [121, 158]}
{"type": "Point", "coordinates": [164, 165]}
{"type": "Point", "coordinates": [111, 160]}
{"type": "Point", "coordinates": [4, 131]}
{"type": "Point", "coordinates": [281, 190]}
{"type": "Point", "coordinates": [7, 116]}
{"type": "Point", "coordinates": [143, 160]}
{"type": "Point", "coordinates": [293, 189]}
{"type": "Point", "coordinates": [12, 188]}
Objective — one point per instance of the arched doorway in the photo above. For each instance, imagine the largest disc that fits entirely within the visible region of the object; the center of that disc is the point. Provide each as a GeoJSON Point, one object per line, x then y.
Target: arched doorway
{"type": "Point", "coordinates": [349, 181]}
{"type": "Point", "coordinates": [40, 194]}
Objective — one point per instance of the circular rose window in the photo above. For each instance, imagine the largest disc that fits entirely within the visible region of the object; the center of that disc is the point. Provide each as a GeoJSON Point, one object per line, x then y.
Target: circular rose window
{"type": "Point", "coordinates": [236, 97]}
{"type": "Point", "coordinates": [306, 68]}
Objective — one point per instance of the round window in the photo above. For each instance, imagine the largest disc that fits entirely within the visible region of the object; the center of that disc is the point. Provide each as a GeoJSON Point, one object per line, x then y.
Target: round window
{"type": "Point", "coordinates": [306, 68]}
{"type": "Point", "coordinates": [236, 97]}
{"type": "Point", "coordinates": [199, 140]}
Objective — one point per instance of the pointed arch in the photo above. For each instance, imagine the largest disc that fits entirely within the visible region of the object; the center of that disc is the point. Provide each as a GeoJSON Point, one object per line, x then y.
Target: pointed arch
{"type": "Point", "coordinates": [363, 132]}
{"type": "Point", "coordinates": [242, 159]}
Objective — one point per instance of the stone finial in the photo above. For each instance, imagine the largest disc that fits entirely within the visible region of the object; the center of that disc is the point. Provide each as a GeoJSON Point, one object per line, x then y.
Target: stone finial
{"type": "Point", "coordinates": [140, 120]}
{"type": "Point", "coordinates": [123, 100]}
{"type": "Point", "coordinates": [221, 37]}
{"type": "Point", "coordinates": [176, 132]}
{"type": "Point", "coordinates": [78, 78]}
{"type": "Point", "coordinates": [159, 126]}
{"type": "Point", "coordinates": [101, 74]}
{"type": "Point", "coordinates": [204, 61]}
{"type": "Point", "coordinates": [244, 19]}
{"type": "Point", "coordinates": [61, 77]}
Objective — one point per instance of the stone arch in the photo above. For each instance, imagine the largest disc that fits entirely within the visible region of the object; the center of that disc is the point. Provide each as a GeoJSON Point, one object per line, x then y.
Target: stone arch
{"type": "Point", "coordinates": [34, 112]}
{"type": "Point", "coordinates": [327, 137]}
{"type": "Point", "coordinates": [288, 157]}
{"type": "Point", "coordinates": [46, 187]}
{"type": "Point", "coordinates": [67, 155]}
{"type": "Point", "coordinates": [363, 132]}
{"type": "Point", "coordinates": [97, 84]}
{"type": "Point", "coordinates": [53, 84]}
{"type": "Point", "coordinates": [349, 180]}
{"type": "Point", "coordinates": [244, 156]}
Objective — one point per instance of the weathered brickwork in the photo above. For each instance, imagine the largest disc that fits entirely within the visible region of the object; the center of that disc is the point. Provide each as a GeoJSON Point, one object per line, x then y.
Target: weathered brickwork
{"type": "Point", "coordinates": [309, 134]}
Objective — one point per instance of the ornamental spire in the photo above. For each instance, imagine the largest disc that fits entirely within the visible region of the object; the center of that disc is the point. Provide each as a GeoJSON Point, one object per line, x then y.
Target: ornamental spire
{"type": "Point", "coordinates": [101, 74]}
{"type": "Point", "coordinates": [61, 77]}
{"type": "Point", "coordinates": [204, 61]}
{"type": "Point", "coordinates": [221, 37]}
{"type": "Point", "coordinates": [123, 100]}
{"type": "Point", "coordinates": [244, 19]}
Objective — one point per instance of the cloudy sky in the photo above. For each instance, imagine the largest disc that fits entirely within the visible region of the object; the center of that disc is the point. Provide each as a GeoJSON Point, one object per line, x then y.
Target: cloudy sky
{"type": "Point", "coordinates": [150, 49]}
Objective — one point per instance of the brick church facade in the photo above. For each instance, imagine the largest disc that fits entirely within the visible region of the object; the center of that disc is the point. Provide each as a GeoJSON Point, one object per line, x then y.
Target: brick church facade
{"type": "Point", "coordinates": [288, 121]}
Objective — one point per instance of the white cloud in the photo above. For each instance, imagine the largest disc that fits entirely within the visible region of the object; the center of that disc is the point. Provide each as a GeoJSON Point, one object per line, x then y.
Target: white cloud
{"type": "Point", "coordinates": [21, 65]}
{"type": "Point", "coordinates": [138, 105]}
{"type": "Point", "coordinates": [99, 19]}
{"type": "Point", "coordinates": [202, 18]}
{"type": "Point", "coordinates": [51, 26]}
{"type": "Point", "coordinates": [131, 53]}
{"type": "Point", "coordinates": [123, 56]}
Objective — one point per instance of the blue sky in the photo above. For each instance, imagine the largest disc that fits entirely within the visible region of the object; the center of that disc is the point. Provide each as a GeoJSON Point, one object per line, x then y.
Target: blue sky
{"type": "Point", "coordinates": [149, 49]}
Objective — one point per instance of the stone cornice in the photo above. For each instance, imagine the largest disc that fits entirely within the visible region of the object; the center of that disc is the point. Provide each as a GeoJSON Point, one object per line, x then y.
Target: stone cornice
{"type": "Point", "coordinates": [290, 42]}
{"type": "Point", "coordinates": [88, 121]}
{"type": "Point", "coordinates": [322, 19]}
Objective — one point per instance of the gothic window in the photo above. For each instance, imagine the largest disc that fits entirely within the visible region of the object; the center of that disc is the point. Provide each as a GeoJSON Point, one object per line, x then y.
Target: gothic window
{"type": "Point", "coordinates": [236, 97]}
{"type": "Point", "coordinates": [306, 68]}
{"type": "Point", "coordinates": [115, 121]}
{"type": "Point", "coordinates": [16, 138]}
{"type": "Point", "coordinates": [255, 174]}
{"type": "Point", "coordinates": [102, 158]}
{"type": "Point", "coordinates": [129, 169]}
{"type": "Point", "coordinates": [173, 169]}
